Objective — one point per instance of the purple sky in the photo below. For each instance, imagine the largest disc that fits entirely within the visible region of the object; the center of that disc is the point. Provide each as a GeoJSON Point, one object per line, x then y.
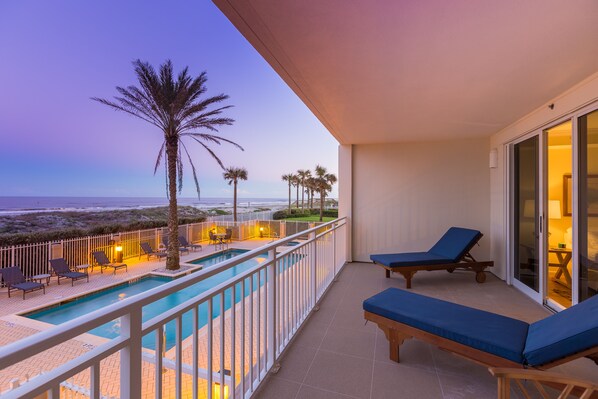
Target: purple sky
{"type": "Point", "coordinates": [55, 55]}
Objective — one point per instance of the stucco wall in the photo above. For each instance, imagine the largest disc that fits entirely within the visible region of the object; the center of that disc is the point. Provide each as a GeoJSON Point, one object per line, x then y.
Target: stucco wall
{"type": "Point", "coordinates": [406, 195]}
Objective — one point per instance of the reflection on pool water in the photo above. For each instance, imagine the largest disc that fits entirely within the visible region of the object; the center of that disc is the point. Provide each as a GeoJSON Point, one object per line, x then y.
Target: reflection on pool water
{"type": "Point", "coordinates": [88, 303]}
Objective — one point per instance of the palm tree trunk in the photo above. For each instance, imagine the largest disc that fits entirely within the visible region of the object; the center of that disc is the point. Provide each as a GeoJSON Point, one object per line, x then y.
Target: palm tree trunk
{"type": "Point", "coordinates": [297, 195]}
{"type": "Point", "coordinates": [302, 198]}
{"type": "Point", "coordinates": [172, 258]}
{"type": "Point", "coordinates": [289, 198]}
{"type": "Point", "coordinates": [322, 196]}
{"type": "Point", "coordinates": [235, 202]}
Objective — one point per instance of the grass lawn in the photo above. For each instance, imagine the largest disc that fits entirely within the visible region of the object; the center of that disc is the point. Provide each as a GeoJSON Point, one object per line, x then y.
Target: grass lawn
{"type": "Point", "coordinates": [312, 218]}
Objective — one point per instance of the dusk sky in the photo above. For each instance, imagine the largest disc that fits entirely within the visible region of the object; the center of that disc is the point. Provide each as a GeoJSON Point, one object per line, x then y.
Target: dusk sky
{"type": "Point", "coordinates": [55, 55]}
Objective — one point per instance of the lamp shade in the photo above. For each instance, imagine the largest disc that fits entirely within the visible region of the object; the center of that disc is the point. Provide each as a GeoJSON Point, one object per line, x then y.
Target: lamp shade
{"type": "Point", "coordinates": [554, 209]}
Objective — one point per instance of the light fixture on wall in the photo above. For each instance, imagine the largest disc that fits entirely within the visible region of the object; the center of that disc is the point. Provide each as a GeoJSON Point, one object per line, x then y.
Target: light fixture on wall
{"type": "Point", "coordinates": [493, 159]}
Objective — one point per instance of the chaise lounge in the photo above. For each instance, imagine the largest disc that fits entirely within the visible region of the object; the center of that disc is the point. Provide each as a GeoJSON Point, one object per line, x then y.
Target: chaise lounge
{"type": "Point", "coordinates": [449, 253]}
{"type": "Point", "coordinates": [147, 249]}
{"type": "Point", "coordinates": [483, 337]}
{"type": "Point", "coordinates": [62, 270]}
{"type": "Point", "coordinates": [186, 244]}
{"type": "Point", "coordinates": [15, 280]}
{"type": "Point", "coordinates": [102, 260]}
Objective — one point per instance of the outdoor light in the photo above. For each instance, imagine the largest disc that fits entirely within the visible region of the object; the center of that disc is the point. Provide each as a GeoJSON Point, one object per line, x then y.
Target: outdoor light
{"type": "Point", "coordinates": [493, 159]}
{"type": "Point", "coordinates": [261, 232]}
{"type": "Point", "coordinates": [216, 389]}
{"type": "Point", "coordinates": [119, 253]}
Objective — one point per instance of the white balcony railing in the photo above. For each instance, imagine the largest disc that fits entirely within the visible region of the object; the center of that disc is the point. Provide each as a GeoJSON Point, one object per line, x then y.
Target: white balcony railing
{"type": "Point", "coordinates": [227, 354]}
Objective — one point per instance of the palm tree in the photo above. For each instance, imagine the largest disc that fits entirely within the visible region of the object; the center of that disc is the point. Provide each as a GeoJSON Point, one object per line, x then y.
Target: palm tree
{"type": "Point", "coordinates": [302, 175]}
{"type": "Point", "coordinates": [289, 178]}
{"type": "Point", "coordinates": [296, 184]}
{"type": "Point", "coordinates": [177, 107]}
{"type": "Point", "coordinates": [233, 175]}
{"type": "Point", "coordinates": [310, 185]}
{"type": "Point", "coordinates": [324, 182]}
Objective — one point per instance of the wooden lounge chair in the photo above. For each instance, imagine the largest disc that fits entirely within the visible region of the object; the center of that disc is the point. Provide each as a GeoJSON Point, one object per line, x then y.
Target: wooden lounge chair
{"type": "Point", "coordinates": [15, 280]}
{"type": "Point", "coordinates": [62, 270]}
{"type": "Point", "coordinates": [483, 337]}
{"type": "Point", "coordinates": [449, 253]}
{"type": "Point", "coordinates": [147, 249]}
{"type": "Point", "coordinates": [185, 244]}
{"type": "Point", "coordinates": [102, 260]}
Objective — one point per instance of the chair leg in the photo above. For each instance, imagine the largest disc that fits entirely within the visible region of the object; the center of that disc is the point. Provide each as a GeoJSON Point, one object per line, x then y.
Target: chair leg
{"type": "Point", "coordinates": [408, 276]}
{"type": "Point", "coordinates": [387, 273]}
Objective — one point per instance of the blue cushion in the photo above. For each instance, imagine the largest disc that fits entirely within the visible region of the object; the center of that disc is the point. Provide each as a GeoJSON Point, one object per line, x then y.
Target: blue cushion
{"type": "Point", "coordinates": [455, 243]}
{"type": "Point", "coordinates": [73, 274]}
{"type": "Point", "coordinates": [409, 259]}
{"type": "Point", "coordinates": [27, 286]}
{"type": "Point", "coordinates": [488, 332]}
{"type": "Point", "coordinates": [566, 333]}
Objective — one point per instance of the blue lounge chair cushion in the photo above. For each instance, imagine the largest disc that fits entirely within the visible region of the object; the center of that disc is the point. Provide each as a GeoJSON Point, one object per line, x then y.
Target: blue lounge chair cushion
{"type": "Point", "coordinates": [27, 286]}
{"type": "Point", "coordinates": [74, 275]}
{"type": "Point", "coordinates": [455, 243]}
{"type": "Point", "coordinates": [409, 259]}
{"type": "Point", "coordinates": [571, 331]}
{"type": "Point", "coordinates": [488, 332]}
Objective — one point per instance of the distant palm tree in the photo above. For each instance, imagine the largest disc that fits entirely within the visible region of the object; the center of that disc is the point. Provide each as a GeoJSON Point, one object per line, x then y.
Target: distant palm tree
{"type": "Point", "coordinates": [302, 175]}
{"type": "Point", "coordinates": [310, 185]}
{"type": "Point", "coordinates": [233, 175]}
{"type": "Point", "coordinates": [324, 182]}
{"type": "Point", "coordinates": [175, 106]}
{"type": "Point", "coordinates": [289, 178]}
{"type": "Point", "coordinates": [296, 184]}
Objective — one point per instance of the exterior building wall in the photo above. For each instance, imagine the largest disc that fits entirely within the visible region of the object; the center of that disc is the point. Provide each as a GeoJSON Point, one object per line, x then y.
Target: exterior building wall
{"type": "Point", "coordinates": [406, 195]}
{"type": "Point", "coordinates": [579, 96]}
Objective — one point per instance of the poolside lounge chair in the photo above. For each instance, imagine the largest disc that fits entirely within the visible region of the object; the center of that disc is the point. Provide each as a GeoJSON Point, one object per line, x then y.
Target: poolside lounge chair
{"type": "Point", "coordinates": [449, 253]}
{"type": "Point", "coordinates": [62, 270]}
{"type": "Point", "coordinates": [185, 244]}
{"type": "Point", "coordinates": [483, 337]}
{"type": "Point", "coordinates": [147, 249]}
{"type": "Point", "coordinates": [182, 249]}
{"type": "Point", "coordinates": [102, 260]}
{"type": "Point", "coordinates": [15, 280]}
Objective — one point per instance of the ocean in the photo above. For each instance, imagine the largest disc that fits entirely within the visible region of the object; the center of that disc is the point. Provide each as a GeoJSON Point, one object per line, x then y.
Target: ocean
{"type": "Point", "coordinates": [21, 205]}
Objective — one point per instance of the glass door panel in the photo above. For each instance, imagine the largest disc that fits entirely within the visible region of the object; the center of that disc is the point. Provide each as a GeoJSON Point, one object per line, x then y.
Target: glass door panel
{"type": "Point", "coordinates": [558, 211]}
{"type": "Point", "coordinates": [526, 214]}
{"type": "Point", "coordinates": [588, 205]}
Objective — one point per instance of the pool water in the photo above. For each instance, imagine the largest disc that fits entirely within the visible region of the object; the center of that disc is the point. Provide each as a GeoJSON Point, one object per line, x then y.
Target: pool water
{"type": "Point", "coordinates": [86, 304]}
{"type": "Point", "coordinates": [293, 243]}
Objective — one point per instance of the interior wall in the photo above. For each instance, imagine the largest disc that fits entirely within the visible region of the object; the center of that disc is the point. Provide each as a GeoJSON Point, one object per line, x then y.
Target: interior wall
{"type": "Point", "coordinates": [406, 195]}
{"type": "Point", "coordinates": [579, 96]}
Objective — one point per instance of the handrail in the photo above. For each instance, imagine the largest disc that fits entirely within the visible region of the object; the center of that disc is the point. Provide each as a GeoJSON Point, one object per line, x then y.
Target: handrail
{"type": "Point", "coordinates": [53, 336]}
{"type": "Point", "coordinates": [130, 310]}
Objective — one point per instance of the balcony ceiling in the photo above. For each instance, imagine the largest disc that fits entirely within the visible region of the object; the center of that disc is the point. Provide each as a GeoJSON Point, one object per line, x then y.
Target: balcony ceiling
{"type": "Point", "coordinates": [390, 71]}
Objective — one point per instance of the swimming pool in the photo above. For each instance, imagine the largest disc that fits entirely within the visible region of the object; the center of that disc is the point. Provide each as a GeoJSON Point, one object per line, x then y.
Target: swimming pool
{"type": "Point", "coordinates": [88, 303]}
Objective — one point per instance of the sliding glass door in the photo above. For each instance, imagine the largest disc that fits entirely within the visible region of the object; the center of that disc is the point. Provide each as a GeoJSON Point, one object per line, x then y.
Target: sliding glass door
{"type": "Point", "coordinates": [588, 205]}
{"type": "Point", "coordinates": [526, 216]}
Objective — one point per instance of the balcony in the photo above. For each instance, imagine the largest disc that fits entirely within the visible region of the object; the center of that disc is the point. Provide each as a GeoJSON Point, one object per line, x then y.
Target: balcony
{"type": "Point", "coordinates": [294, 332]}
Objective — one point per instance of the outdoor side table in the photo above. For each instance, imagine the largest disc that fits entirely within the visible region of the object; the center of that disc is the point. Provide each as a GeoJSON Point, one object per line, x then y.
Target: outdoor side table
{"type": "Point", "coordinates": [40, 277]}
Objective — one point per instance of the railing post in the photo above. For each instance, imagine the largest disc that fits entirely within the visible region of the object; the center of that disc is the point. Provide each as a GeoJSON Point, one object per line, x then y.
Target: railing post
{"type": "Point", "coordinates": [313, 268]}
{"type": "Point", "coordinates": [271, 345]}
{"type": "Point", "coordinates": [334, 252]}
{"type": "Point", "coordinates": [130, 356]}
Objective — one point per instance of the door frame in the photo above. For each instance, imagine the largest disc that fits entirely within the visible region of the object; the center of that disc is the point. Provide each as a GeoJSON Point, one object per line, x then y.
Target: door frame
{"type": "Point", "coordinates": [511, 225]}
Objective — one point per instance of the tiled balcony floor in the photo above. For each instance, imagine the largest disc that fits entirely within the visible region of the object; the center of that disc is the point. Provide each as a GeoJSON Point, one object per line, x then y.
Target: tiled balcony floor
{"type": "Point", "coordinates": [336, 355]}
